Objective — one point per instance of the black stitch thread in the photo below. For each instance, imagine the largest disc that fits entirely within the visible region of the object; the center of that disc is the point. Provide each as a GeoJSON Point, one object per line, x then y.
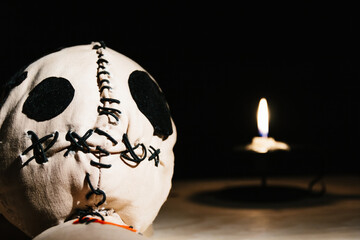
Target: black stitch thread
{"type": "Point", "coordinates": [154, 155]}
{"type": "Point", "coordinates": [77, 142]}
{"type": "Point", "coordinates": [38, 149]}
{"type": "Point", "coordinates": [109, 111]}
{"type": "Point", "coordinates": [102, 72]}
{"type": "Point", "coordinates": [100, 109]}
{"type": "Point", "coordinates": [101, 60]}
{"type": "Point", "coordinates": [87, 220]}
{"type": "Point", "coordinates": [104, 87]}
{"type": "Point", "coordinates": [111, 100]}
{"type": "Point", "coordinates": [104, 81]}
{"type": "Point", "coordinates": [131, 149]}
{"type": "Point", "coordinates": [98, 45]}
{"type": "Point", "coordinates": [95, 191]}
{"type": "Point", "coordinates": [83, 213]}
{"type": "Point", "coordinates": [102, 150]}
{"type": "Point", "coordinates": [101, 132]}
{"type": "Point", "coordinates": [99, 165]}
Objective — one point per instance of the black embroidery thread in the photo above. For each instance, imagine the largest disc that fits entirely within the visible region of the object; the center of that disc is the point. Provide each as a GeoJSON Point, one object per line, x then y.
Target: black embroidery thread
{"type": "Point", "coordinates": [110, 100]}
{"type": "Point", "coordinates": [83, 213]}
{"type": "Point", "coordinates": [104, 81]}
{"type": "Point", "coordinates": [134, 157]}
{"type": "Point", "coordinates": [101, 60]}
{"type": "Point", "coordinates": [103, 77]}
{"type": "Point", "coordinates": [154, 155]}
{"type": "Point", "coordinates": [109, 111]}
{"type": "Point", "coordinates": [99, 165]}
{"type": "Point", "coordinates": [102, 72]}
{"type": "Point", "coordinates": [95, 191]}
{"type": "Point", "coordinates": [101, 132]}
{"type": "Point", "coordinates": [101, 150]}
{"type": "Point", "coordinates": [100, 44]}
{"type": "Point", "coordinates": [38, 150]}
{"type": "Point", "coordinates": [103, 88]}
{"type": "Point", "coordinates": [77, 142]}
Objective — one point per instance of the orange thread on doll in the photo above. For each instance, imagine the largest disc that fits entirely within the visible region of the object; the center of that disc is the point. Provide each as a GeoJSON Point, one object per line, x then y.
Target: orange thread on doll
{"type": "Point", "coordinates": [89, 219]}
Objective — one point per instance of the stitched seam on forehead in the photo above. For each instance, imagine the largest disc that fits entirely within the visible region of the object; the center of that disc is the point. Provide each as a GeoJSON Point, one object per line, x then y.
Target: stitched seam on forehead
{"type": "Point", "coordinates": [104, 78]}
{"type": "Point", "coordinates": [104, 83]}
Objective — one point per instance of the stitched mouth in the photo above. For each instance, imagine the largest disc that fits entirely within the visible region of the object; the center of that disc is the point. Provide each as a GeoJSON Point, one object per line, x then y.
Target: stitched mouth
{"type": "Point", "coordinates": [44, 147]}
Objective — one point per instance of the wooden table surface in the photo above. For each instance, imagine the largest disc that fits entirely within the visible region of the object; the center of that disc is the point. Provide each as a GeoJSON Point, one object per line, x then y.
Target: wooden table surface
{"type": "Point", "coordinates": [242, 209]}
{"type": "Point", "coordinates": [238, 209]}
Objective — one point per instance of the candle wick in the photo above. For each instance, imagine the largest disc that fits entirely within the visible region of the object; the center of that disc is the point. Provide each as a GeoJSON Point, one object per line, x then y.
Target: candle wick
{"type": "Point", "coordinates": [264, 135]}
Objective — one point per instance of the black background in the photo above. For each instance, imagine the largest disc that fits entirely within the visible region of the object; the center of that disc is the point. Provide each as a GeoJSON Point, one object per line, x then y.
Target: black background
{"type": "Point", "coordinates": [214, 61]}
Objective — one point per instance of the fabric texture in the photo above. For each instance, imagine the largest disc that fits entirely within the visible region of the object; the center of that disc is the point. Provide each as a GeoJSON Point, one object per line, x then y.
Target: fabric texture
{"type": "Point", "coordinates": [72, 139]}
{"type": "Point", "coordinates": [95, 231]}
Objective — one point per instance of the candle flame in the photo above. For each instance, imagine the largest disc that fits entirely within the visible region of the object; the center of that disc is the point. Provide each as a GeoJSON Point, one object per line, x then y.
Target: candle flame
{"type": "Point", "coordinates": [263, 118]}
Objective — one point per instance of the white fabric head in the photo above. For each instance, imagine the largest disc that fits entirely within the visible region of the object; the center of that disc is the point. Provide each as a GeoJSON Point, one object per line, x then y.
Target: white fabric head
{"type": "Point", "coordinates": [84, 128]}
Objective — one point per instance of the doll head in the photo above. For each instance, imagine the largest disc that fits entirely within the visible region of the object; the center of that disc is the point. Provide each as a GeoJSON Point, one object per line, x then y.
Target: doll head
{"type": "Point", "coordinates": [84, 131]}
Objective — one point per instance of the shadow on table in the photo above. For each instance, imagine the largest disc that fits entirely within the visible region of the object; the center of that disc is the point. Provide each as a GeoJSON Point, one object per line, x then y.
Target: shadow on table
{"type": "Point", "coordinates": [271, 197]}
{"type": "Point", "coordinates": [9, 231]}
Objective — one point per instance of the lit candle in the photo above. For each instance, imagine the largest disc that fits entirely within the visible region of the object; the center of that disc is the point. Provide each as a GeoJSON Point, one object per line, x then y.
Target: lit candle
{"type": "Point", "coordinates": [264, 143]}
{"type": "Point", "coordinates": [263, 118]}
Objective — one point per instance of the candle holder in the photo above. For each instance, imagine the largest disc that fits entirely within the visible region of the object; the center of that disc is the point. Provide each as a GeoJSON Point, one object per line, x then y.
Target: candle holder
{"type": "Point", "coordinates": [265, 159]}
{"type": "Point", "coordinates": [245, 164]}
{"type": "Point", "coordinates": [264, 147]}
{"type": "Point", "coordinates": [265, 164]}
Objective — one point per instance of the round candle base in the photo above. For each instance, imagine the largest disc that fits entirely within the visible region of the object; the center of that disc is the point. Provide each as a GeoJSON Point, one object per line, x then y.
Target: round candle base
{"type": "Point", "coordinates": [266, 144]}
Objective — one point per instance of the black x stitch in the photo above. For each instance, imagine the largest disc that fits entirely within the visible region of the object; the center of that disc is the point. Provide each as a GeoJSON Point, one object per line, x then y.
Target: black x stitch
{"type": "Point", "coordinates": [154, 155]}
{"type": "Point", "coordinates": [77, 142]}
{"type": "Point", "coordinates": [38, 149]}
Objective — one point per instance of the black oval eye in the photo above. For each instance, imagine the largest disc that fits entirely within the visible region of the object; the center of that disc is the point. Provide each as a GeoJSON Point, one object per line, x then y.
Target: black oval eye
{"type": "Point", "coordinates": [151, 102]}
{"type": "Point", "coordinates": [48, 99]}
